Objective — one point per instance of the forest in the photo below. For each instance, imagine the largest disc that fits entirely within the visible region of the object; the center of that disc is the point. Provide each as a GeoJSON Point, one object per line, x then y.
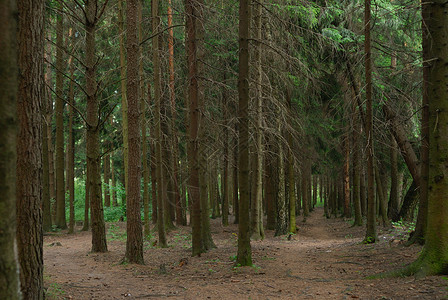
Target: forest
{"type": "Point", "coordinates": [211, 149]}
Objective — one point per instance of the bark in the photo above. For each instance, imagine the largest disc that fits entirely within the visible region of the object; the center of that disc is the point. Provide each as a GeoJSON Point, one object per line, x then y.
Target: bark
{"type": "Point", "coordinates": [9, 269]}
{"type": "Point", "coordinates": [134, 241]}
{"type": "Point", "coordinates": [156, 23]}
{"type": "Point", "coordinates": [371, 234]}
{"type": "Point", "coordinates": [409, 202]}
{"type": "Point", "coordinates": [93, 130]}
{"type": "Point", "coordinates": [362, 188]}
{"type": "Point", "coordinates": [46, 146]}
{"type": "Point", "coordinates": [124, 102]}
{"type": "Point", "coordinates": [314, 179]}
{"type": "Point", "coordinates": [153, 177]}
{"type": "Point", "coordinates": [143, 123]}
{"type": "Point", "coordinates": [29, 149]}
{"type": "Point", "coordinates": [244, 257]}
{"type": "Point", "coordinates": [207, 241]}
{"type": "Point", "coordinates": [356, 185]}
{"type": "Point", "coordinates": [114, 182]}
{"type": "Point", "coordinates": [206, 236]}
{"type": "Point", "coordinates": [270, 194]}
{"type": "Point", "coordinates": [422, 217]}
{"type": "Point", "coordinates": [291, 191]}
{"type": "Point", "coordinates": [214, 191]}
{"type": "Point", "coordinates": [281, 223]}
{"type": "Point", "coordinates": [381, 197]}
{"type": "Point", "coordinates": [86, 224]}
{"type": "Point", "coordinates": [106, 175]}
{"type": "Point", "coordinates": [403, 143]}
{"type": "Point", "coordinates": [71, 146]}
{"type": "Point", "coordinates": [226, 157]}
{"type": "Point", "coordinates": [257, 194]}
{"type": "Point", "coordinates": [304, 189]}
{"type": "Point", "coordinates": [180, 220]}
{"type": "Point", "coordinates": [236, 207]}
{"type": "Point", "coordinates": [46, 202]}
{"type": "Point", "coordinates": [48, 120]}
{"type": "Point", "coordinates": [394, 205]}
{"type": "Point", "coordinates": [327, 197]}
{"type": "Point", "coordinates": [146, 166]}
{"type": "Point", "coordinates": [193, 192]}
{"type": "Point", "coordinates": [434, 258]}
{"type": "Point", "coordinates": [59, 112]}
{"type": "Point", "coordinates": [347, 208]}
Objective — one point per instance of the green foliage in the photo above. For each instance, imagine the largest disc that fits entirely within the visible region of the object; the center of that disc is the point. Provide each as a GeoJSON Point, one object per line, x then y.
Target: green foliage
{"type": "Point", "coordinates": [115, 233]}
{"type": "Point", "coordinates": [54, 291]}
{"type": "Point", "coordinates": [407, 227]}
{"type": "Point", "coordinates": [114, 214]}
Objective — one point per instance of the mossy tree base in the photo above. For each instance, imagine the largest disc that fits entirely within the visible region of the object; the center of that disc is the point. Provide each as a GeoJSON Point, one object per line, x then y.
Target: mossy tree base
{"type": "Point", "coordinates": [426, 265]}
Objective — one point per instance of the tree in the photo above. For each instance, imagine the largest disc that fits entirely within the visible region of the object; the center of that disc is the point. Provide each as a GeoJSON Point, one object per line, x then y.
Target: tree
{"type": "Point", "coordinates": [192, 11]}
{"type": "Point", "coordinates": [371, 235]}
{"type": "Point", "coordinates": [161, 191]}
{"type": "Point", "coordinates": [71, 143]}
{"type": "Point", "coordinates": [124, 102]}
{"type": "Point", "coordinates": [244, 257]}
{"type": "Point", "coordinates": [134, 241]}
{"type": "Point", "coordinates": [29, 148]}
{"type": "Point", "coordinates": [434, 257]}
{"type": "Point", "coordinates": [59, 112]}
{"type": "Point", "coordinates": [180, 214]}
{"type": "Point", "coordinates": [257, 182]}
{"type": "Point", "coordinates": [92, 15]}
{"type": "Point", "coordinates": [9, 269]}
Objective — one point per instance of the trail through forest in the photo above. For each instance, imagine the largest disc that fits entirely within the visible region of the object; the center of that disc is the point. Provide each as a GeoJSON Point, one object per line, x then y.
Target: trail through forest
{"type": "Point", "coordinates": [325, 260]}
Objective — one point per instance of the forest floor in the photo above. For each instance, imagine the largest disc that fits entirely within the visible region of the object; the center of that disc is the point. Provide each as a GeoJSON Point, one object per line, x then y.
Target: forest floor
{"type": "Point", "coordinates": [325, 260]}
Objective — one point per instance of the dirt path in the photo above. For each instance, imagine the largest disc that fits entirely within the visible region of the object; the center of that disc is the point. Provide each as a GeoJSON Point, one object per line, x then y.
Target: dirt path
{"type": "Point", "coordinates": [325, 260]}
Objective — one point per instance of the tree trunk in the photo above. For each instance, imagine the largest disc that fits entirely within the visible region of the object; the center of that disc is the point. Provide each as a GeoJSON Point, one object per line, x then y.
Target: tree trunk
{"type": "Point", "coordinates": [347, 208]}
{"type": "Point", "coordinates": [86, 224]}
{"type": "Point", "coordinates": [46, 147]}
{"type": "Point", "coordinates": [156, 23]}
{"type": "Point", "coordinates": [381, 197]}
{"type": "Point", "coordinates": [281, 223]}
{"type": "Point", "coordinates": [93, 131]}
{"type": "Point", "coordinates": [257, 201]}
{"type": "Point", "coordinates": [146, 166]}
{"type": "Point", "coordinates": [244, 257]}
{"type": "Point", "coordinates": [434, 258]}
{"type": "Point", "coordinates": [409, 202]}
{"type": "Point", "coordinates": [49, 126]}
{"type": "Point", "coordinates": [59, 111]}
{"type": "Point", "coordinates": [124, 102]}
{"type": "Point", "coordinates": [270, 194]}
{"type": "Point", "coordinates": [304, 189]}
{"type": "Point", "coordinates": [9, 269]}
{"type": "Point", "coordinates": [356, 185]}
{"type": "Point", "coordinates": [29, 150]}
{"type": "Point", "coordinates": [422, 217]}
{"type": "Point", "coordinates": [46, 202]}
{"type": "Point", "coordinates": [393, 207]}
{"type": "Point", "coordinates": [236, 206]}
{"type": "Point", "coordinates": [134, 241]}
{"type": "Point", "coordinates": [371, 234]}
{"type": "Point", "coordinates": [106, 176]}
{"type": "Point", "coordinates": [174, 142]}
{"type": "Point", "coordinates": [71, 145]}
{"type": "Point", "coordinates": [291, 190]}
{"type": "Point", "coordinates": [114, 182]}
{"type": "Point", "coordinates": [327, 197]}
{"type": "Point", "coordinates": [226, 158]}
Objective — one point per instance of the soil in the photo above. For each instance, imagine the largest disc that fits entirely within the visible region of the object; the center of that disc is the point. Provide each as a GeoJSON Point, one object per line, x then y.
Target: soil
{"type": "Point", "coordinates": [324, 260]}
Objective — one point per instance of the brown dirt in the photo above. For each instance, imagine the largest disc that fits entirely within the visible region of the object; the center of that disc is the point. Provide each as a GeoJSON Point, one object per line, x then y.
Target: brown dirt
{"type": "Point", "coordinates": [325, 260]}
